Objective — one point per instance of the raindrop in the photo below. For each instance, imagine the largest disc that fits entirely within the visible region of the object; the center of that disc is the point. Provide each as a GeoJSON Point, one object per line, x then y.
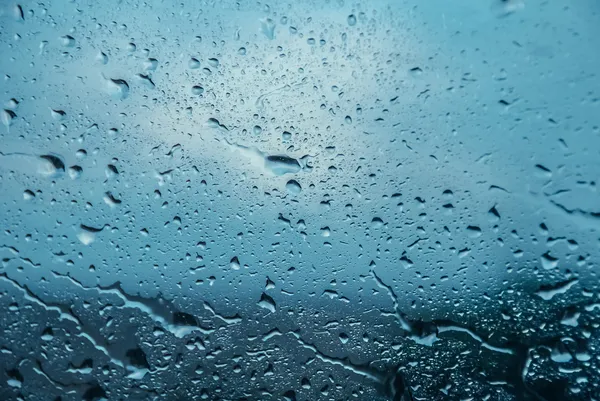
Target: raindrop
{"type": "Point", "coordinates": [75, 172]}
{"type": "Point", "coordinates": [281, 165]}
{"type": "Point", "coordinates": [7, 118]}
{"type": "Point", "coordinates": [267, 27]}
{"type": "Point", "coordinates": [67, 41]}
{"type": "Point", "coordinates": [193, 63]}
{"type": "Point", "coordinates": [117, 88]}
{"type": "Point", "coordinates": [376, 222]}
{"type": "Point", "coordinates": [266, 302]}
{"type": "Point", "coordinates": [197, 90]}
{"type": "Point", "coordinates": [293, 187]}
{"type": "Point", "coordinates": [53, 165]}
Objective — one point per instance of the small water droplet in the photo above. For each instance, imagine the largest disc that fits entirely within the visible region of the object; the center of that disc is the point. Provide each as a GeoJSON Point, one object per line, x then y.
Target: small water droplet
{"type": "Point", "coordinates": [351, 20]}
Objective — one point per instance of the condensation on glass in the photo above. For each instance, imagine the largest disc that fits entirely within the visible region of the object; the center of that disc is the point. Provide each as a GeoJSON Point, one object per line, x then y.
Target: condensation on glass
{"type": "Point", "coordinates": [307, 200]}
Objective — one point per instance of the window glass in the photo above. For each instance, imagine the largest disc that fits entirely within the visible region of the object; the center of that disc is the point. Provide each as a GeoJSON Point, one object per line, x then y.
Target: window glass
{"type": "Point", "coordinates": [304, 200]}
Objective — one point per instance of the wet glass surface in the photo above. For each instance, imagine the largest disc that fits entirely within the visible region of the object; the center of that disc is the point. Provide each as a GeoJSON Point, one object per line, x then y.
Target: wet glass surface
{"type": "Point", "coordinates": [306, 200]}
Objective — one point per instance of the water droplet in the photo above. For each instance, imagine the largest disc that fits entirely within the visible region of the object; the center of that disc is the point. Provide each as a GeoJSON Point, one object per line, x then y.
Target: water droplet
{"type": "Point", "coordinates": [87, 234]}
{"type": "Point", "coordinates": [289, 395]}
{"type": "Point", "coordinates": [111, 201]}
{"type": "Point", "coordinates": [376, 222]}
{"type": "Point", "coordinates": [235, 263]}
{"type": "Point", "coordinates": [8, 117]}
{"type": "Point", "coordinates": [293, 187]}
{"type": "Point", "coordinates": [117, 88]}
{"type": "Point", "coordinates": [47, 334]}
{"type": "Point", "coordinates": [197, 90]}
{"type": "Point", "coordinates": [268, 303]}
{"type": "Point", "coordinates": [473, 231]}
{"type": "Point", "coordinates": [67, 41]}
{"type": "Point", "coordinates": [267, 27]}
{"type": "Point", "coordinates": [52, 165]}
{"type": "Point", "coordinates": [75, 172]}
{"type": "Point", "coordinates": [145, 80]}
{"type": "Point", "coordinates": [102, 58]}
{"type": "Point", "coordinates": [504, 8]}
{"type": "Point", "coordinates": [286, 136]}
{"type": "Point", "coordinates": [351, 20]}
{"type": "Point", "coordinates": [86, 237]}
{"type": "Point", "coordinates": [12, 104]}
{"type": "Point", "coordinates": [281, 164]}
{"type": "Point", "coordinates": [58, 115]}
{"type": "Point", "coordinates": [28, 194]}
{"type": "Point", "coordinates": [151, 64]}
{"type": "Point", "coordinates": [193, 63]}
{"type": "Point", "coordinates": [213, 62]}
{"type": "Point", "coordinates": [111, 171]}
{"type": "Point", "coordinates": [416, 71]}
{"type": "Point", "coordinates": [17, 12]}
{"type": "Point", "coordinates": [548, 261]}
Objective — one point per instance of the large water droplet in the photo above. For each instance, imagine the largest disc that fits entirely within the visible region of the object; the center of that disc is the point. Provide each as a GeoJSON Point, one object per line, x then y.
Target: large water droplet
{"type": "Point", "coordinates": [293, 187]}
{"type": "Point", "coordinates": [267, 27]}
{"type": "Point", "coordinates": [282, 164]}
{"type": "Point", "coordinates": [117, 88]}
{"type": "Point", "coordinates": [51, 166]}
